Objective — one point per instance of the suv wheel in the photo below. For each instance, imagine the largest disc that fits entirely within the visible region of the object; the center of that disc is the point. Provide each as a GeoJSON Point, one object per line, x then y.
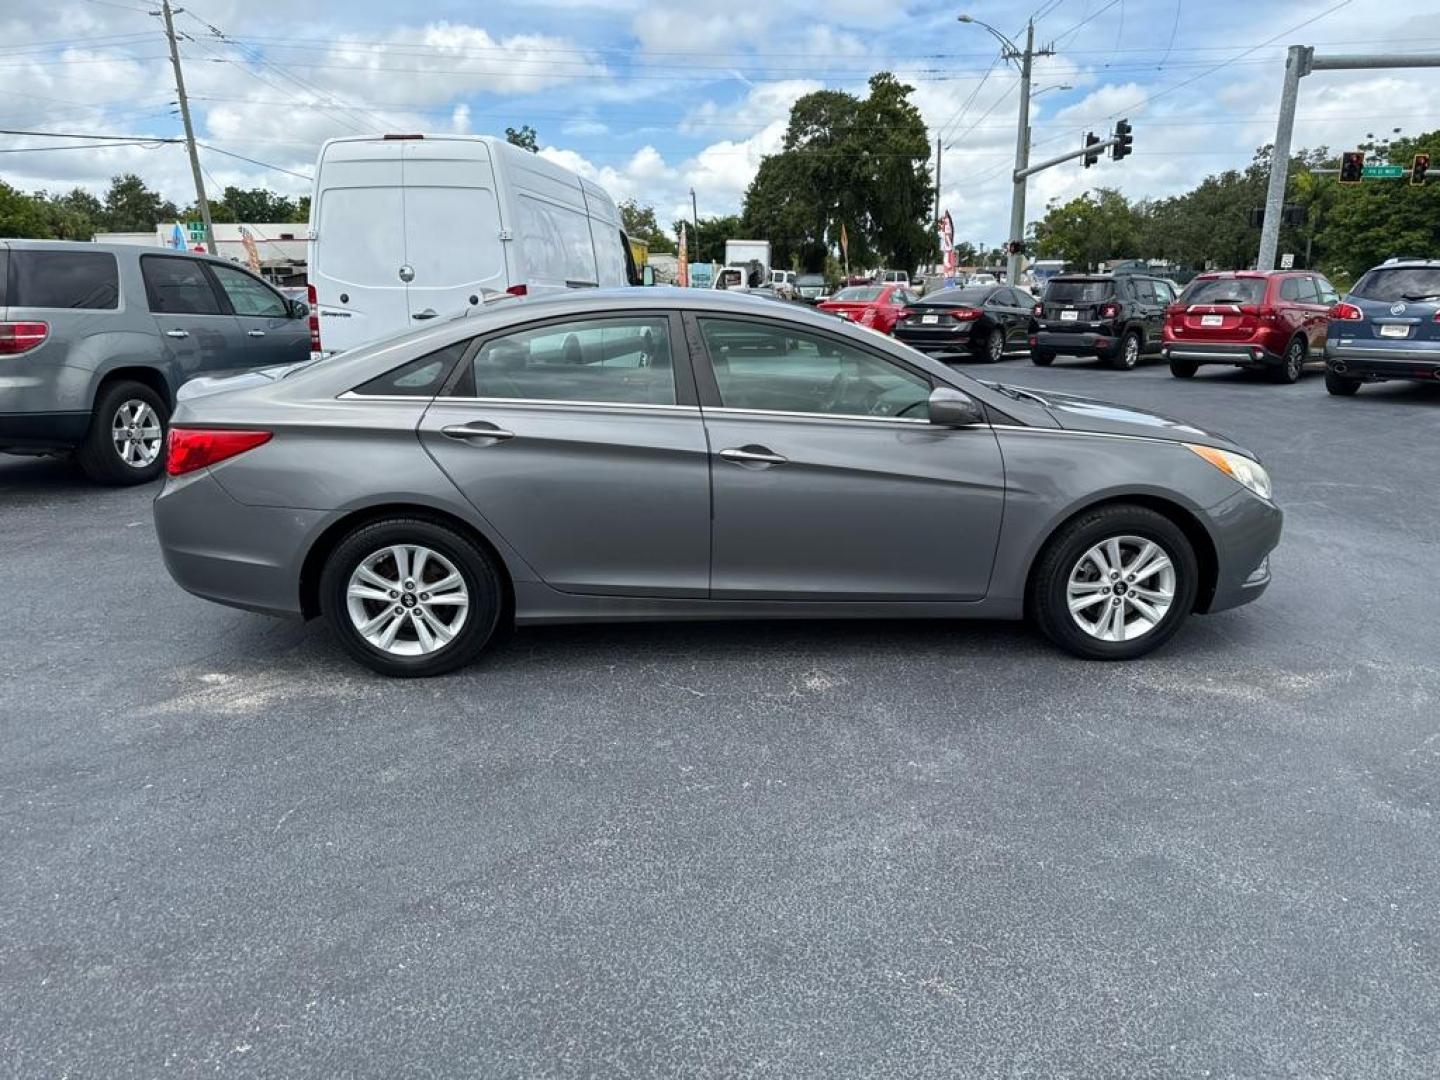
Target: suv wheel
{"type": "Point", "coordinates": [1114, 584]}
{"type": "Point", "coordinates": [1127, 355]}
{"type": "Point", "coordinates": [1184, 369]}
{"type": "Point", "coordinates": [1042, 357]}
{"type": "Point", "coordinates": [1339, 385]}
{"type": "Point", "coordinates": [126, 440]}
{"type": "Point", "coordinates": [1291, 366]}
{"type": "Point", "coordinates": [409, 597]}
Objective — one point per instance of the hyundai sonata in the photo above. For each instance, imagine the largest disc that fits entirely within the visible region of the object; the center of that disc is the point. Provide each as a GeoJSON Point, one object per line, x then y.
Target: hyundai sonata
{"type": "Point", "coordinates": [685, 454]}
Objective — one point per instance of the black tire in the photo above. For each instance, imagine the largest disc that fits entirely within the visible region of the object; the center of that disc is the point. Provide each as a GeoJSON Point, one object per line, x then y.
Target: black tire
{"type": "Point", "coordinates": [1339, 385]}
{"type": "Point", "coordinates": [1048, 602]}
{"type": "Point", "coordinates": [1125, 357]}
{"type": "Point", "coordinates": [99, 456]}
{"type": "Point", "coordinates": [1184, 369]}
{"type": "Point", "coordinates": [1042, 357]}
{"type": "Point", "coordinates": [1291, 366]}
{"type": "Point", "coordinates": [476, 568]}
{"type": "Point", "coordinates": [994, 350]}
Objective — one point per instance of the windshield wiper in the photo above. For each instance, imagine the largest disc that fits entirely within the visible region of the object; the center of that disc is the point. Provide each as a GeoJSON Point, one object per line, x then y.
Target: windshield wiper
{"type": "Point", "coordinates": [1015, 392]}
{"type": "Point", "coordinates": [1419, 296]}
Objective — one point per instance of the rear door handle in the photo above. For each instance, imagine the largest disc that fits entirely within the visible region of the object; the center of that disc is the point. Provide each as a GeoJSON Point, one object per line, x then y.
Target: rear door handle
{"type": "Point", "coordinates": [255, 333]}
{"type": "Point", "coordinates": [478, 429]}
{"type": "Point", "coordinates": [428, 313]}
{"type": "Point", "coordinates": [753, 455]}
{"type": "Point", "coordinates": [177, 333]}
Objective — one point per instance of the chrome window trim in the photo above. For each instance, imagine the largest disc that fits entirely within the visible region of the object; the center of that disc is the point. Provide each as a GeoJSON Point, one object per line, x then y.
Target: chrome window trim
{"type": "Point", "coordinates": [351, 395]}
{"type": "Point", "coordinates": [707, 409]}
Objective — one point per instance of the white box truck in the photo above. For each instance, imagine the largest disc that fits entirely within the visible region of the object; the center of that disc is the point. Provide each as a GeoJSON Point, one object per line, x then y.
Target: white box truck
{"type": "Point", "coordinates": [743, 252]}
{"type": "Point", "coordinates": [406, 228]}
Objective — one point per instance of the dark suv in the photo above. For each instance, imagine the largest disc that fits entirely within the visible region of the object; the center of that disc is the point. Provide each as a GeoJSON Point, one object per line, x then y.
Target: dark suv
{"type": "Point", "coordinates": [95, 339]}
{"type": "Point", "coordinates": [1116, 317]}
{"type": "Point", "coordinates": [1388, 327]}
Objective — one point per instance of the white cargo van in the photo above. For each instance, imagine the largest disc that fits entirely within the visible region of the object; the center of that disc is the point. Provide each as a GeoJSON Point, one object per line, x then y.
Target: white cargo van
{"type": "Point", "coordinates": [406, 228]}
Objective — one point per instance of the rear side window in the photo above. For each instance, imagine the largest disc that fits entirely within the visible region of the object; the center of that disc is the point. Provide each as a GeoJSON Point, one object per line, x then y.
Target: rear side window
{"type": "Point", "coordinates": [1296, 290]}
{"type": "Point", "coordinates": [1399, 283]}
{"type": "Point", "coordinates": [63, 279]}
{"type": "Point", "coordinates": [620, 360]}
{"type": "Point", "coordinates": [1079, 292]}
{"type": "Point", "coordinates": [178, 286]}
{"type": "Point", "coordinates": [1225, 291]}
{"type": "Point", "coordinates": [421, 377]}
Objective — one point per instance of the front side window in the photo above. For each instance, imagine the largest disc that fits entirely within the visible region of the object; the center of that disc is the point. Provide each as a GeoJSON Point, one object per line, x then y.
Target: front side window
{"type": "Point", "coordinates": [768, 368]}
{"type": "Point", "coordinates": [624, 361]}
{"type": "Point", "coordinates": [63, 279]}
{"type": "Point", "coordinates": [249, 296]}
{"type": "Point", "coordinates": [178, 286]}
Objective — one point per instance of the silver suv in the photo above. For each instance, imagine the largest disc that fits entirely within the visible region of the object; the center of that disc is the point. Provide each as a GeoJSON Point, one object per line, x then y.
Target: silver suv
{"type": "Point", "coordinates": [95, 339]}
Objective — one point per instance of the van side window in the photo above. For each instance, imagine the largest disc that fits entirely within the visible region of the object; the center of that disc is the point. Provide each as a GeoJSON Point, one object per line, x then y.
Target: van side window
{"type": "Point", "coordinates": [620, 360]}
{"type": "Point", "coordinates": [63, 279]}
{"type": "Point", "coordinates": [178, 286]}
{"type": "Point", "coordinates": [421, 377]}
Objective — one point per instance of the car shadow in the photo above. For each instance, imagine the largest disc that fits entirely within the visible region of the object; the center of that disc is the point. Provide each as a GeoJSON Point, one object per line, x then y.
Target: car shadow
{"type": "Point", "coordinates": [43, 475]}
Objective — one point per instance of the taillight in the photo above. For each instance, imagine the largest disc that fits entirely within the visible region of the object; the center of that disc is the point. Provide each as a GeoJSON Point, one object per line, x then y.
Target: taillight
{"type": "Point", "coordinates": [194, 448]}
{"type": "Point", "coordinates": [1109, 311]}
{"type": "Point", "coordinates": [1346, 312]}
{"type": "Point", "coordinates": [964, 314]}
{"type": "Point", "coordinates": [518, 290]}
{"type": "Point", "coordinates": [311, 296]}
{"type": "Point", "coordinates": [18, 337]}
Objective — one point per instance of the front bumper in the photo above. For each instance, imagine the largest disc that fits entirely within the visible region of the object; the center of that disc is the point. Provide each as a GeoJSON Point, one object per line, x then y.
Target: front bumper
{"type": "Point", "coordinates": [1082, 343]}
{"type": "Point", "coordinates": [223, 550]}
{"type": "Point", "coordinates": [1246, 529]}
{"type": "Point", "coordinates": [1377, 363]}
{"type": "Point", "coordinates": [1246, 356]}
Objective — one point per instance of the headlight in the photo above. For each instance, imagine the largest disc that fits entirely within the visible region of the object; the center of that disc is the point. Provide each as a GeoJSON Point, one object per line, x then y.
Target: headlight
{"type": "Point", "coordinates": [1238, 467]}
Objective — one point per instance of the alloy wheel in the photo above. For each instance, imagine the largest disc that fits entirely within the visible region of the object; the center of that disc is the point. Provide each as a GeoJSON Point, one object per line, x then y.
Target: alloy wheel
{"type": "Point", "coordinates": [407, 600]}
{"type": "Point", "coordinates": [1294, 361]}
{"type": "Point", "coordinates": [1132, 351]}
{"type": "Point", "coordinates": [997, 346]}
{"type": "Point", "coordinates": [137, 433]}
{"type": "Point", "coordinates": [1121, 589]}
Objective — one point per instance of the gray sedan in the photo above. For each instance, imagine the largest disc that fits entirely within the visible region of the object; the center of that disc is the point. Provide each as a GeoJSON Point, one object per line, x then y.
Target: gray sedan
{"type": "Point", "coordinates": [682, 454]}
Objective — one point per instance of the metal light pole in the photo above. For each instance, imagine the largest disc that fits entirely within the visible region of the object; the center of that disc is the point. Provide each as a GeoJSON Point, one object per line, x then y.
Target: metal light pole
{"type": "Point", "coordinates": [201, 201]}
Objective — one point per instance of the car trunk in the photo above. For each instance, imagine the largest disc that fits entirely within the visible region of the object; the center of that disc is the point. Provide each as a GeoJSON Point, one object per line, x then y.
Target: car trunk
{"type": "Point", "coordinates": [1076, 300]}
{"type": "Point", "coordinates": [846, 309]}
{"type": "Point", "coordinates": [923, 316]}
{"type": "Point", "coordinates": [1220, 309]}
{"type": "Point", "coordinates": [1399, 304]}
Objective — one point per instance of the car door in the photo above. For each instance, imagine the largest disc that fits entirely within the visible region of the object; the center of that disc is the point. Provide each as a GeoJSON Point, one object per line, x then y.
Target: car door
{"type": "Point", "coordinates": [197, 331]}
{"type": "Point", "coordinates": [828, 482]}
{"type": "Point", "coordinates": [1001, 307]}
{"type": "Point", "coordinates": [579, 441]}
{"type": "Point", "coordinates": [272, 334]}
{"type": "Point", "coordinates": [1152, 305]}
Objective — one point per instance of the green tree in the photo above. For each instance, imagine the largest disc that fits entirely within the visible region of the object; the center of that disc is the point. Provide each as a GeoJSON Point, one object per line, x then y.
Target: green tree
{"type": "Point", "coordinates": [22, 215]}
{"type": "Point", "coordinates": [256, 205]}
{"type": "Point", "coordinates": [525, 137]}
{"type": "Point", "coordinates": [639, 222]}
{"type": "Point", "coordinates": [1089, 229]}
{"type": "Point", "coordinates": [1365, 224]}
{"type": "Point", "coordinates": [130, 206]}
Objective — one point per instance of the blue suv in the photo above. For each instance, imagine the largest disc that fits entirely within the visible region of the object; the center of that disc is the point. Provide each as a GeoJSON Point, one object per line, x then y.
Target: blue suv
{"type": "Point", "coordinates": [1388, 327]}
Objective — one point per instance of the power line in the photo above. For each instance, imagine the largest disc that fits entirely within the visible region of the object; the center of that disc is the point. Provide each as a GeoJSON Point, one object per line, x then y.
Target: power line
{"type": "Point", "coordinates": [252, 161]}
{"type": "Point", "coordinates": [78, 135]}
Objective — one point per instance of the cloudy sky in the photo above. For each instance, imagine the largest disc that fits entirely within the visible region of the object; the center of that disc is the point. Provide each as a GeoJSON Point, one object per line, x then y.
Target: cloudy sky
{"type": "Point", "coordinates": [654, 99]}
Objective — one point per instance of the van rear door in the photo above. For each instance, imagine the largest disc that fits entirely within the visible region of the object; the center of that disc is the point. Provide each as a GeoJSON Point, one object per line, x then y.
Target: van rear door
{"type": "Point", "coordinates": [452, 226]}
{"type": "Point", "coordinates": [358, 249]}
{"type": "Point", "coordinates": [605, 235]}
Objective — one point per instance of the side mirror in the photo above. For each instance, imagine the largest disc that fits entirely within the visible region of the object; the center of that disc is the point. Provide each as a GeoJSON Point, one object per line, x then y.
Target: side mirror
{"type": "Point", "coordinates": [299, 309]}
{"type": "Point", "coordinates": [951, 408]}
{"type": "Point", "coordinates": [647, 276]}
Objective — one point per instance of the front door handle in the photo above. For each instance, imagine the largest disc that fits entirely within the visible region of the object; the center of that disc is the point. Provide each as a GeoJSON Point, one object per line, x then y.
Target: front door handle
{"type": "Point", "coordinates": [177, 333]}
{"type": "Point", "coordinates": [478, 429]}
{"type": "Point", "coordinates": [753, 455]}
{"type": "Point", "coordinates": [428, 313]}
{"type": "Point", "coordinates": [255, 333]}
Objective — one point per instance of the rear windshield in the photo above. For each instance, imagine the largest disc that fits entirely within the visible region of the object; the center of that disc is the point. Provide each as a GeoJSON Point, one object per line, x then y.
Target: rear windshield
{"type": "Point", "coordinates": [1225, 291]}
{"type": "Point", "coordinates": [1079, 292]}
{"type": "Point", "coordinates": [959, 296]}
{"type": "Point", "coordinates": [859, 292]}
{"type": "Point", "coordinates": [1399, 283]}
{"type": "Point", "coordinates": [63, 279]}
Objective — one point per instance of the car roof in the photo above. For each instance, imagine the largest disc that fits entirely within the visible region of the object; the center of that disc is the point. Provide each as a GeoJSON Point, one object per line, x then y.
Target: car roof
{"type": "Point", "coordinates": [1406, 264]}
{"type": "Point", "coordinates": [115, 249]}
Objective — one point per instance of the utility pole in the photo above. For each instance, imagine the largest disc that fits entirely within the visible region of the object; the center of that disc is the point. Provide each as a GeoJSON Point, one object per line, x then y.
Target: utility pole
{"type": "Point", "coordinates": [200, 199]}
{"type": "Point", "coordinates": [1299, 62]}
{"type": "Point", "coordinates": [695, 221]}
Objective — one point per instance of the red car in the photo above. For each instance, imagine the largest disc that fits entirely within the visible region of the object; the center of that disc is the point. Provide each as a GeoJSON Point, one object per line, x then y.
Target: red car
{"type": "Point", "coordinates": [875, 306]}
{"type": "Point", "coordinates": [1267, 320]}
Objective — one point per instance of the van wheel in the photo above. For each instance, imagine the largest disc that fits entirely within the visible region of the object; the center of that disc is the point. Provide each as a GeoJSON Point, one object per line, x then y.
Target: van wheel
{"type": "Point", "coordinates": [126, 440]}
{"type": "Point", "coordinates": [1291, 366]}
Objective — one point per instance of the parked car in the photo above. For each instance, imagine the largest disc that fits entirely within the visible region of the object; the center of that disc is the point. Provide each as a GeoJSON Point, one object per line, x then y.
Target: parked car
{"type": "Point", "coordinates": [406, 228]}
{"type": "Point", "coordinates": [95, 340]}
{"type": "Point", "coordinates": [783, 277]}
{"type": "Point", "coordinates": [892, 277]}
{"type": "Point", "coordinates": [981, 321]}
{"type": "Point", "coordinates": [1387, 327]}
{"type": "Point", "coordinates": [1115, 317]}
{"type": "Point", "coordinates": [686, 454]}
{"type": "Point", "coordinates": [812, 288]}
{"type": "Point", "coordinates": [875, 306]}
{"type": "Point", "coordinates": [1270, 321]}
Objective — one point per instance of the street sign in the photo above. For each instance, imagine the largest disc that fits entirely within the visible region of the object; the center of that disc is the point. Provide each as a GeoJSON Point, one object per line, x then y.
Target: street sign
{"type": "Point", "coordinates": [196, 229]}
{"type": "Point", "coordinates": [1383, 172]}
{"type": "Point", "coordinates": [1287, 261]}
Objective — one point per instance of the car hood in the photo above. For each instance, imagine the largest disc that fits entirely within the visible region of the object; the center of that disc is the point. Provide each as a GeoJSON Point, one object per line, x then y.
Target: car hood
{"type": "Point", "coordinates": [1075, 413]}
{"type": "Point", "coordinates": [244, 380]}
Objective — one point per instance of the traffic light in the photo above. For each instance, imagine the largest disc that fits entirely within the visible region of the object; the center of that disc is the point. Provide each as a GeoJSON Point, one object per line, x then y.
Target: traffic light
{"type": "Point", "coordinates": [1127, 140]}
{"type": "Point", "coordinates": [1295, 215]}
{"type": "Point", "coordinates": [1091, 156]}
{"type": "Point", "coordinates": [1352, 166]}
{"type": "Point", "coordinates": [1418, 168]}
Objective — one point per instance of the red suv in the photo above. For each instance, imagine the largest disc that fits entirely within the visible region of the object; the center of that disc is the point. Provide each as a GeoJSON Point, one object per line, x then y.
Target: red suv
{"type": "Point", "coordinates": [1268, 320]}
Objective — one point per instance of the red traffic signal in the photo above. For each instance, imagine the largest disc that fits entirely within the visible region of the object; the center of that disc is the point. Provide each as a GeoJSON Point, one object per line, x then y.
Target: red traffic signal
{"type": "Point", "coordinates": [1352, 166]}
{"type": "Point", "coordinates": [1418, 168]}
{"type": "Point", "coordinates": [1091, 156]}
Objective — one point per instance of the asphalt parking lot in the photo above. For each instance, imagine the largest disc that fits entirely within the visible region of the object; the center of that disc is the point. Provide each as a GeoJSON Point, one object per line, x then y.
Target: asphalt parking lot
{"type": "Point", "coordinates": [923, 849]}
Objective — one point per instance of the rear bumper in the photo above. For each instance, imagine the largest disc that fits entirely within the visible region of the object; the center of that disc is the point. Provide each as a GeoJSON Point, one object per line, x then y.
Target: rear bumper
{"type": "Point", "coordinates": [935, 342]}
{"type": "Point", "coordinates": [1250, 356]}
{"type": "Point", "coordinates": [39, 431]}
{"type": "Point", "coordinates": [1082, 344]}
{"type": "Point", "coordinates": [1377, 363]}
{"type": "Point", "coordinates": [1246, 530]}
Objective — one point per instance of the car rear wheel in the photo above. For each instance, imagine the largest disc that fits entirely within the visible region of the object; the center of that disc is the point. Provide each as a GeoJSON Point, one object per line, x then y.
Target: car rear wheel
{"type": "Point", "coordinates": [1114, 584]}
{"type": "Point", "coordinates": [1127, 354]}
{"type": "Point", "coordinates": [1340, 386]}
{"type": "Point", "coordinates": [126, 440]}
{"type": "Point", "coordinates": [1042, 357]}
{"type": "Point", "coordinates": [410, 598]}
{"type": "Point", "coordinates": [1184, 369]}
{"type": "Point", "coordinates": [1292, 364]}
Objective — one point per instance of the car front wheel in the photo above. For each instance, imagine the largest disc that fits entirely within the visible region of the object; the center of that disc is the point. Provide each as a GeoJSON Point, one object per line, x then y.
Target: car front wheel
{"type": "Point", "coordinates": [1115, 583]}
{"type": "Point", "coordinates": [410, 598]}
